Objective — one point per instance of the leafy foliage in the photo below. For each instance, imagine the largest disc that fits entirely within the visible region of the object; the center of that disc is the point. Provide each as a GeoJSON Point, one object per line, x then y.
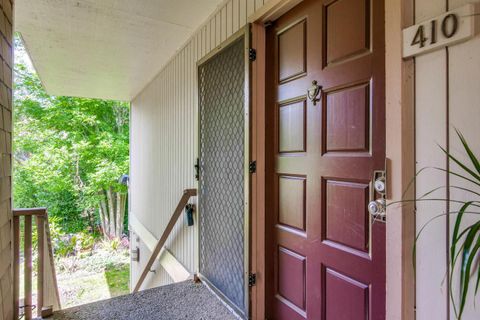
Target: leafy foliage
{"type": "Point", "coordinates": [67, 151]}
{"type": "Point", "coordinates": [465, 242]}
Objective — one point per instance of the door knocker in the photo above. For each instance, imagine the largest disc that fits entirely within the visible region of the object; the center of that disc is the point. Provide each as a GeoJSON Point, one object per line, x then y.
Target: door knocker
{"type": "Point", "coordinates": [314, 91]}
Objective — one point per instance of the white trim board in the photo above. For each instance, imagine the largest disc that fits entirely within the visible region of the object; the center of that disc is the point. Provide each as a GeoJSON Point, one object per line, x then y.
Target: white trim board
{"type": "Point", "coordinates": [167, 260]}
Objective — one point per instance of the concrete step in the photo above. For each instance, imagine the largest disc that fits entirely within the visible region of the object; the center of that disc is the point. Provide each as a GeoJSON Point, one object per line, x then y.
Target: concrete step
{"type": "Point", "coordinates": [183, 300]}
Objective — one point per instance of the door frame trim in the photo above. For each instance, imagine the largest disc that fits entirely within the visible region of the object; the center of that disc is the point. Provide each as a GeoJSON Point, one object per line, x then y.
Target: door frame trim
{"type": "Point", "coordinates": [400, 150]}
{"type": "Point", "coordinates": [258, 179]}
{"type": "Point", "coordinates": [400, 154]}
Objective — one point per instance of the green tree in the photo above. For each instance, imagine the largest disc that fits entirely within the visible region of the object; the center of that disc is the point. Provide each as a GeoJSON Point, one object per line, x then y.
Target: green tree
{"type": "Point", "coordinates": [68, 154]}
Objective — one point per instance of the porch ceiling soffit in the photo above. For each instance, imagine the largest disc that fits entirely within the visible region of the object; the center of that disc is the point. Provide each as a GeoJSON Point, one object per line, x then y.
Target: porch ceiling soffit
{"type": "Point", "coordinates": [107, 49]}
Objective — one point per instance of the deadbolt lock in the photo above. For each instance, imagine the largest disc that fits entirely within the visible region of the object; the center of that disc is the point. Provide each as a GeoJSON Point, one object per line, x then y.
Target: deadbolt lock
{"type": "Point", "coordinates": [379, 185]}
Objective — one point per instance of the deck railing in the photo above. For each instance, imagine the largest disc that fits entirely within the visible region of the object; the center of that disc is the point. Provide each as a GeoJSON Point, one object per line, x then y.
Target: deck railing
{"type": "Point", "coordinates": [48, 298]}
{"type": "Point", "coordinates": [187, 194]}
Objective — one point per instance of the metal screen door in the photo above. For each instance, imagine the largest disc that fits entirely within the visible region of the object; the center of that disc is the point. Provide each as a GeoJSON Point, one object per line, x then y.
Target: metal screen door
{"type": "Point", "coordinates": [221, 84]}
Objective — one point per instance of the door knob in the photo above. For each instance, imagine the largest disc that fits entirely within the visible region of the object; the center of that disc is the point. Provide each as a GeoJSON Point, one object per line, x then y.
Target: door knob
{"type": "Point", "coordinates": [377, 207]}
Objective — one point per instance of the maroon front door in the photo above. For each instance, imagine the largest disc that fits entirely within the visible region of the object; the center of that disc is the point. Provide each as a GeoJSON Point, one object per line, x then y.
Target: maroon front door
{"type": "Point", "coordinates": [328, 256]}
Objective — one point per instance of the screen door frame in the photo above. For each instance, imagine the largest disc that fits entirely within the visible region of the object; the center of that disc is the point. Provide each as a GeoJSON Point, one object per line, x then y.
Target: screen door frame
{"type": "Point", "coordinates": [244, 32]}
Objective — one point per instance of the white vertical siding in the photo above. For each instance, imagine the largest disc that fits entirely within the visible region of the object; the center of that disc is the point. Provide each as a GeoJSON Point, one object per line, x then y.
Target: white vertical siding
{"type": "Point", "coordinates": [464, 102]}
{"type": "Point", "coordinates": [447, 97]}
{"type": "Point", "coordinates": [431, 106]}
{"type": "Point", "coordinates": [163, 133]}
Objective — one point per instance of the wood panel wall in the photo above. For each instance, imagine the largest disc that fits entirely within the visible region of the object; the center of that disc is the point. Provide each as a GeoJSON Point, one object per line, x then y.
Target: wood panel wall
{"type": "Point", "coordinates": [163, 136]}
{"type": "Point", "coordinates": [447, 86]}
{"type": "Point", "coordinates": [6, 65]}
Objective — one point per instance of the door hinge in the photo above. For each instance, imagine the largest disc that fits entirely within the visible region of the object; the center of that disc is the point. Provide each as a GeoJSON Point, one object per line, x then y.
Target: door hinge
{"type": "Point", "coordinates": [252, 279]}
{"type": "Point", "coordinates": [252, 167]}
{"type": "Point", "coordinates": [252, 54]}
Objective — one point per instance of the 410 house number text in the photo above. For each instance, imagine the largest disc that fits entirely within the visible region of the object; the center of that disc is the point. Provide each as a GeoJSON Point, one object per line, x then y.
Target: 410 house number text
{"type": "Point", "coordinates": [438, 32]}
{"type": "Point", "coordinates": [448, 28]}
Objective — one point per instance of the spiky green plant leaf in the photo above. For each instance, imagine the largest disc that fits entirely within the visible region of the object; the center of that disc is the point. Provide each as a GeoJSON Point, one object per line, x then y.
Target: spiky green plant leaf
{"type": "Point", "coordinates": [465, 242]}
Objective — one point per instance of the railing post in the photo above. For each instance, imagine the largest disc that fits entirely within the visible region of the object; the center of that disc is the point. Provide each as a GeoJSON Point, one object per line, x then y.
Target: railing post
{"type": "Point", "coordinates": [28, 267]}
{"type": "Point", "coordinates": [40, 263]}
{"type": "Point", "coordinates": [47, 288]}
{"type": "Point", "coordinates": [51, 295]}
{"type": "Point", "coordinates": [16, 266]}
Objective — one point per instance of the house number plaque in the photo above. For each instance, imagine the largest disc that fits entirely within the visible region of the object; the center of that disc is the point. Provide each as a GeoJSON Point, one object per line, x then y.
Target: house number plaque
{"type": "Point", "coordinates": [438, 32]}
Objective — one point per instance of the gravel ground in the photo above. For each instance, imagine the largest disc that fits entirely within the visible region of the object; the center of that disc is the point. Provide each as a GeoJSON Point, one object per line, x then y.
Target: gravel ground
{"type": "Point", "coordinates": [184, 300]}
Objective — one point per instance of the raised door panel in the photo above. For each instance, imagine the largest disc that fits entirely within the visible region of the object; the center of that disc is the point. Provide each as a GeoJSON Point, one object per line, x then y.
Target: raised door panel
{"type": "Point", "coordinates": [291, 127]}
{"type": "Point", "coordinates": [291, 282]}
{"type": "Point", "coordinates": [292, 202]}
{"type": "Point", "coordinates": [347, 119]}
{"type": "Point", "coordinates": [347, 31]}
{"type": "Point", "coordinates": [346, 298]}
{"type": "Point", "coordinates": [292, 52]}
{"type": "Point", "coordinates": [346, 218]}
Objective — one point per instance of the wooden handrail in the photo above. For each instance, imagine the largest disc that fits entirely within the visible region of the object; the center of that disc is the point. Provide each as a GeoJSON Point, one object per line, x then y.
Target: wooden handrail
{"type": "Point", "coordinates": [29, 212]}
{"type": "Point", "coordinates": [187, 194]}
{"type": "Point", "coordinates": [48, 297]}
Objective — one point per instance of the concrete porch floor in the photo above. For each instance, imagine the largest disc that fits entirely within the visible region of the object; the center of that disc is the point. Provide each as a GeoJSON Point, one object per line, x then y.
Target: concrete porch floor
{"type": "Point", "coordinates": [184, 300]}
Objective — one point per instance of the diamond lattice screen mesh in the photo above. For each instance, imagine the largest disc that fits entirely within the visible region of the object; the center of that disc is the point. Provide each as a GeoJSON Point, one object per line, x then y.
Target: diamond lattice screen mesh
{"type": "Point", "coordinates": [221, 192]}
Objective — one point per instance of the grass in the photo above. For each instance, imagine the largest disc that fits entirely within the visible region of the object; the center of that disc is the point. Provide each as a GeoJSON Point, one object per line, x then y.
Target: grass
{"type": "Point", "coordinates": [81, 289]}
{"type": "Point", "coordinates": [99, 274]}
{"type": "Point", "coordinates": [118, 279]}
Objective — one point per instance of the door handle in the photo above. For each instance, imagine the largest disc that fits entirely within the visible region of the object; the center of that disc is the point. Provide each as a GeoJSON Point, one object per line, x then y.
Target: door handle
{"type": "Point", "coordinates": [377, 206]}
